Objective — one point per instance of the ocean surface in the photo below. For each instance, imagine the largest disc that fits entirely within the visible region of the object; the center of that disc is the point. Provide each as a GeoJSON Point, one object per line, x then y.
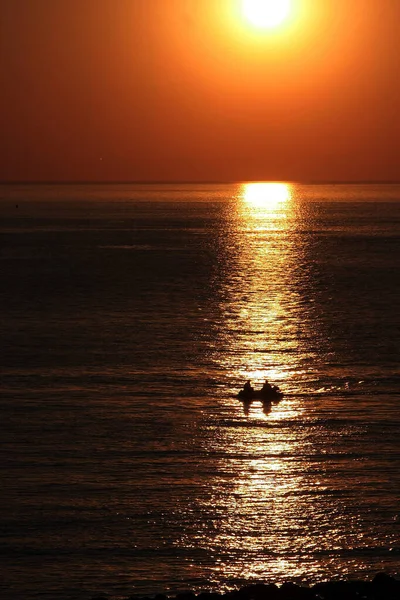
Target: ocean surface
{"type": "Point", "coordinates": [130, 316]}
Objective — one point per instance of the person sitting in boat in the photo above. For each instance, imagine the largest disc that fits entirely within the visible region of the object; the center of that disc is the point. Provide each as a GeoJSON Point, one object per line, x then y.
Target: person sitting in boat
{"type": "Point", "coordinates": [247, 388]}
{"type": "Point", "coordinates": [267, 387]}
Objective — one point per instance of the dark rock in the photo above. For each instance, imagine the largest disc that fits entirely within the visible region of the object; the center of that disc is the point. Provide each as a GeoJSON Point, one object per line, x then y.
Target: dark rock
{"type": "Point", "coordinates": [259, 591]}
{"type": "Point", "coordinates": [185, 596]}
{"type": "Point", "coordinates": [382, 587]}
{"type": "Point", "coordinates": [385, 587]}
{"type": "Point", "coordinates": [291, 591]}
{"type": "Point", "coordinates": [233, 595]}
{"type": "Point", "coordinates": [360, 590]}
{"type": "Point", "coordinates": [208, 596]}
{"type": "Point", "coordinates": [335, 590]}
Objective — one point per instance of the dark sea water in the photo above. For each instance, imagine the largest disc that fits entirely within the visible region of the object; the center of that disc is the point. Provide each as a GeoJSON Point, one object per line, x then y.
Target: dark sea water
{"type": "Point", "coordinates": [130, 316]}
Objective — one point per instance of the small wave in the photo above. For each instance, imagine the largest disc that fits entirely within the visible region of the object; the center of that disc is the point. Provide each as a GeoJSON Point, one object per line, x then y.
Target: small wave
{"type": "Point", "coordinates": [129, 247]}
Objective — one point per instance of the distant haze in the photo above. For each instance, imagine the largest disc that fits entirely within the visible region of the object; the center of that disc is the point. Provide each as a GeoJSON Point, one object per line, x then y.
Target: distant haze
{"type": "Point", "coordinates": [151, 90]}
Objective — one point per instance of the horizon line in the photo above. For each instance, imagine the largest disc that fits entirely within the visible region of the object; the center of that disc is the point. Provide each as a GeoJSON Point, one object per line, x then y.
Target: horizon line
{"type": "Point", "coordinates": [200, 181]}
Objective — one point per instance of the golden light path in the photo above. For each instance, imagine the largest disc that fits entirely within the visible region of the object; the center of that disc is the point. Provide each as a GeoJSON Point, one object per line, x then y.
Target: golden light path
{"type": "Point", "coordinates": [256, 491]}
{"type": "Point", "coordinates": [266, 13]}
{"type": "Point", "coordinates": [258, 290]}
{"type": "Point", "coordinates": [265, 210]}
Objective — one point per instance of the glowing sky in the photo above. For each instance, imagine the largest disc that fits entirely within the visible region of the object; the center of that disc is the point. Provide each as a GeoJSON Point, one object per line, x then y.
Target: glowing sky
{"type": "Point", "coordinates": [187, 90]}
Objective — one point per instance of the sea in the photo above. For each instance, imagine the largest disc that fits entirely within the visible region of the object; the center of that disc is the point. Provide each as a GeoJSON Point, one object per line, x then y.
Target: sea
{"type": "Point", "coordinates": [130, 317]}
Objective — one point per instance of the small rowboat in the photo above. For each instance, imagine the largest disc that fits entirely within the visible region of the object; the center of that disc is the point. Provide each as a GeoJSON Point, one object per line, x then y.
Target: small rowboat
{"type": "Point", "coordinates": [263, 395]}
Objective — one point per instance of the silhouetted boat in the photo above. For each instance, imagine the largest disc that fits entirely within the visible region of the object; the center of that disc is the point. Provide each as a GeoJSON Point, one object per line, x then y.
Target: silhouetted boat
{"type": "Point", "coordinates": [264, 396]}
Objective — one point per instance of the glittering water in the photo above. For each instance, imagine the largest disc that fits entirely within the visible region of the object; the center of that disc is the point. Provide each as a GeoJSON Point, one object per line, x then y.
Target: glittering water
{"type": "Point", "coordinates": [131, 315]}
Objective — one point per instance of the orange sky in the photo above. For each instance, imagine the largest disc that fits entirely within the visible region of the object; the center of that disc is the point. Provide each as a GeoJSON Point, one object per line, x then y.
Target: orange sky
{"type": "Point", "coordinates": [111, 90]}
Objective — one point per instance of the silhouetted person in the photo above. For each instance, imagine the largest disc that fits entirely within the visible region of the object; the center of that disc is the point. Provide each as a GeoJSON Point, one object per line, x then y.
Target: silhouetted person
{"type": "Point", "coordinates": [267, 387]}
{"type": "Point", "coordinates": [247, 387]}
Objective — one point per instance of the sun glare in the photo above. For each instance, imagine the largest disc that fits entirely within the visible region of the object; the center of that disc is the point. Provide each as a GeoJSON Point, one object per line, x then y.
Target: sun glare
{"type": "Point", "coordinates": [266, 195]}
{"type": "Point", "coordinates": [266, 14]}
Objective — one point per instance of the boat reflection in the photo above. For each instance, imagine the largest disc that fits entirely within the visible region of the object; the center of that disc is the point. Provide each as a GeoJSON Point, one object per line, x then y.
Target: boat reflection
{"type": "Point", "coordinates": [248, 405]}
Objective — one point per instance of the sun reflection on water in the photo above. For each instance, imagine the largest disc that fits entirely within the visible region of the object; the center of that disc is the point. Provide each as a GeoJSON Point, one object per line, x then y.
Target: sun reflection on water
{"type": "Point", "coordinates": [258, 288]}
{"type": "Point", "coordinates": [273, 506]}
{"type": "Point", "coordinates": [266, 195]}
{"type": "Point", "coordinates": [254, 496]}
{"type": "Point", "coordinates": [266, 205]}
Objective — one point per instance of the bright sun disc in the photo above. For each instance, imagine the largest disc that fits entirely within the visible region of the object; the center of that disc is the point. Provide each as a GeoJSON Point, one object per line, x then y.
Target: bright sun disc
{"type": "Point", "coordinates": [266, 13]}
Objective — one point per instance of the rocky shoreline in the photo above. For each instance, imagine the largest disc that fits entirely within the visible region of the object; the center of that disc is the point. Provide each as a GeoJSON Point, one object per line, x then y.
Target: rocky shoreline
{"type": "Point", "coordinates": [381, 587]}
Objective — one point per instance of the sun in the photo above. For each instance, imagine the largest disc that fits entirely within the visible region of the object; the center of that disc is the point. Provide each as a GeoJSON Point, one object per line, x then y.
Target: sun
{"type": "Point", "coordinates": [266, 14]}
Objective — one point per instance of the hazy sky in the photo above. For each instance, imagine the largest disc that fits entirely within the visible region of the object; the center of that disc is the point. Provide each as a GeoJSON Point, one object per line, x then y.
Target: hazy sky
{"type": "Point", "coordinates": [187, 90]}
